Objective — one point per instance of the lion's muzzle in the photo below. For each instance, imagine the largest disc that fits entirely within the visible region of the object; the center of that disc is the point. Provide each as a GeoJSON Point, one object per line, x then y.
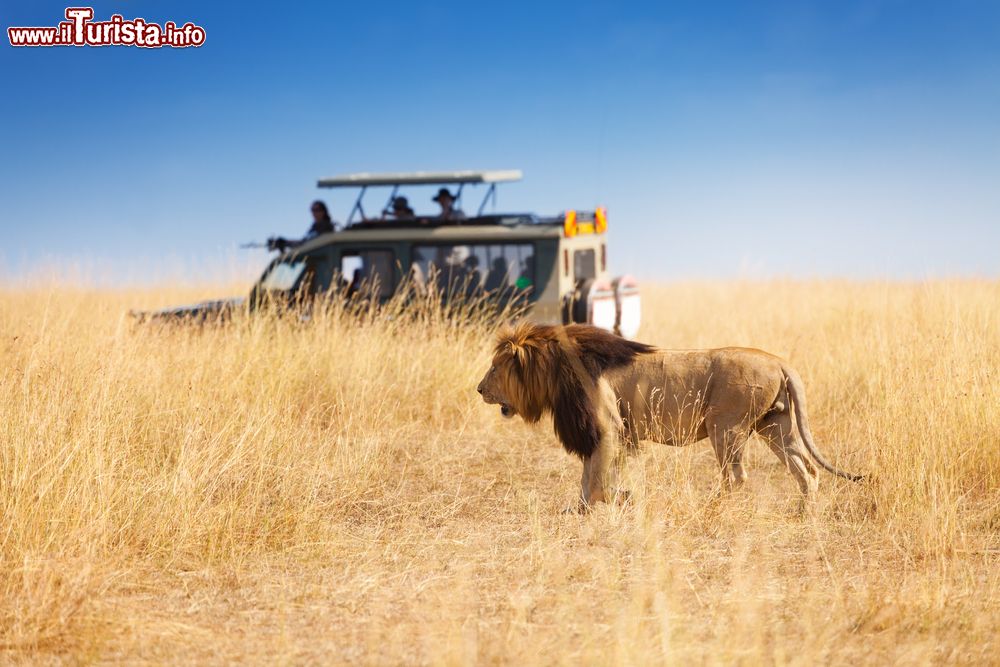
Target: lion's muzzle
{"type": "Point", "coordinates": [506, 409]}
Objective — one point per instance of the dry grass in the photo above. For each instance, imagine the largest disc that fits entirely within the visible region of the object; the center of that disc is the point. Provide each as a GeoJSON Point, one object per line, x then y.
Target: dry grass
{"type": "Point", "coordinates": [277, 492]}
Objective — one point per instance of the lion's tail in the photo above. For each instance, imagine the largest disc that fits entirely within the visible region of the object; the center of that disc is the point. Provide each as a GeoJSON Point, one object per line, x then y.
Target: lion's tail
{"type": "Point", "coordinates": [798, 395]}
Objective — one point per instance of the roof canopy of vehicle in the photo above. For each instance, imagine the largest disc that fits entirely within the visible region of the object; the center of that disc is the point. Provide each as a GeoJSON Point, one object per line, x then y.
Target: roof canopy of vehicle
{"type": "Point", "coordinates": [420, 178]}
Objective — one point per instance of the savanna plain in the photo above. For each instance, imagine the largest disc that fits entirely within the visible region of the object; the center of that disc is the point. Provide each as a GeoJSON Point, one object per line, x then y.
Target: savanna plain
{"type": "Point", "coordinates": [334, 491]}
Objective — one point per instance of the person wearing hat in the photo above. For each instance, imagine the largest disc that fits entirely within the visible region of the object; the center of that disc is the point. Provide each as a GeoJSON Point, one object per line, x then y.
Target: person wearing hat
{"type": "Point", "coordinates": [447, 202]}
{"type": "Point", "coordinates": [400, 209]}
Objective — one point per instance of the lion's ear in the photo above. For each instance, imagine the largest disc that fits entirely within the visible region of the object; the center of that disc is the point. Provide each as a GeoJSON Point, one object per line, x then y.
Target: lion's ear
{"type": "Point", "coordinates": [521, 354]}
{"type": "Point", "coordinates": [536, 356]}
{"type": "Point", "coordinates": [527, 344]}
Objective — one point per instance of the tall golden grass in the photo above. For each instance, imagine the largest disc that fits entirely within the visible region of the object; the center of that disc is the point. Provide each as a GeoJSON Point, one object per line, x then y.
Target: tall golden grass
{"type": "Point", "coordinates": [334, 491]}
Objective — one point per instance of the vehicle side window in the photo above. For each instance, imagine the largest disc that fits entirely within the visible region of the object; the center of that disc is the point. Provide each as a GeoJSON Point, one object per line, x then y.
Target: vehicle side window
{"type": "Point", "coordinates": [475, 269]}
{"type": "Point", "coordinates": [584, 264]}
{"type": "Point", "coordinates": [368, 269]}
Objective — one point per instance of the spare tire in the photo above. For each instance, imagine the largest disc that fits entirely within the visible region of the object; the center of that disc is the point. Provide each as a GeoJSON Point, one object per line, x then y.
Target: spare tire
{"type": "Point", "coordinates": [592, 302]}
{"type": "Point", "coordinates": [628, 310]}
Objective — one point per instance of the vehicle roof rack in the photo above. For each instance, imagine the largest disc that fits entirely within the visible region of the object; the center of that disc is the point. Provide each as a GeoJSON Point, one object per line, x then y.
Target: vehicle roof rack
{"type": "Point", "coordinates": [420, 178]}
{"type": "Point", "coordinates": [504, 219]}
{"type": "Point", "coordinates": [468, 177]}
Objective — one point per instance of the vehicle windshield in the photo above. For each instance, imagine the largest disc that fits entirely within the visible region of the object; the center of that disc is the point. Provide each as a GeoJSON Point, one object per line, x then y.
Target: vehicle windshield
{"type": "Point", "coordinates": [283, 275]}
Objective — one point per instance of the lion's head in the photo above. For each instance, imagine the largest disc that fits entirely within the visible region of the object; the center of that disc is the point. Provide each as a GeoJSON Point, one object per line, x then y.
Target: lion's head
{"type": "Point", "coordinates": [512, 380]}
{"type": "Point", "coordinates": [538, 369]}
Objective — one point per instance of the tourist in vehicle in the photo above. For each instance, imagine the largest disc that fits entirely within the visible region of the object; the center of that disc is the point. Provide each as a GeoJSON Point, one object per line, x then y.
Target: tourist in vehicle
{"type": "Point", "coordinates": [322, 224]}
{"type": "Point", "coordinates": [355, 285]}
{"type": "Point", "coordinates": [400, 209]}
{"type": "Point", "coordinates": [473, 276]}
{"type": "Point", "coordinates": [527, 277]}
{"type": "Point", "coordinates": [446, 201]}
{"type": "Point", "coordinates": [497, 277]}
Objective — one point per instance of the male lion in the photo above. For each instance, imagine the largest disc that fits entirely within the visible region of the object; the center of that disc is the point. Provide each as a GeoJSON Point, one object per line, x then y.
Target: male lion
{"type": "Point", "coordinates": [606, 394]}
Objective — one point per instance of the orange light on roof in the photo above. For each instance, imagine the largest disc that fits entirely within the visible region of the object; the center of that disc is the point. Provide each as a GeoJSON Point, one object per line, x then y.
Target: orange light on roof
{"type": "Point", "coordinates": [600, 219]}
{"type": "Point", "coordinates": [570, 227]}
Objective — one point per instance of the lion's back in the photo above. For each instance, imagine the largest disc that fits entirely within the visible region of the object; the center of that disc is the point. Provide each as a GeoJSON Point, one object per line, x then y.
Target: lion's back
{"type": "Point", "coordinates": [720, 376]}
{"type": "Point", "coordinates": [746, 357]}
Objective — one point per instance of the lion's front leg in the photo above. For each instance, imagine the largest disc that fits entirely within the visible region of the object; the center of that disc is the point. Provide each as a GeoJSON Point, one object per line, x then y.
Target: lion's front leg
{"type": "Point", "coordinates": [584, 504]}
{"type": "Point", "coordinates": [600, 471]}
{"type": "Point", "coordinates": [597, 478]}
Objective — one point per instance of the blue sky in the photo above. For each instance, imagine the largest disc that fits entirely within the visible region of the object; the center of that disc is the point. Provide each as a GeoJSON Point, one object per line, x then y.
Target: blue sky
{"type": "Point", "coordinates": [857, 139]}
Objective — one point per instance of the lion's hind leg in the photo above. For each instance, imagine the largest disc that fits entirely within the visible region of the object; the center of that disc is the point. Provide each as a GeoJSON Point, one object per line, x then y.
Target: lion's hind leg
{"type": "Point", "coordinates": [779, 432]}
{"type": "Point", "coordinates": [729, 438]}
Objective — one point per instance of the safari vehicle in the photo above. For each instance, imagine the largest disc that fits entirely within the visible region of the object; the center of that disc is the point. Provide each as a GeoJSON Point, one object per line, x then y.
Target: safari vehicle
{"type": "Point", "coordinates": [556, 265]}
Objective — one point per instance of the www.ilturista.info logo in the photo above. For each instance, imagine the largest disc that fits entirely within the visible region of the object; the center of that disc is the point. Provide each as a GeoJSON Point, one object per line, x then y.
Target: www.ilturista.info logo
{"type": "Point", "coordinates": [80, 30]}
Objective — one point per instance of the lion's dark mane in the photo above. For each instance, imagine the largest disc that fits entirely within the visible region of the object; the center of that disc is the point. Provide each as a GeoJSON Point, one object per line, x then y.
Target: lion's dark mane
{"type": "Point", "coordinates": [573, 357]}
